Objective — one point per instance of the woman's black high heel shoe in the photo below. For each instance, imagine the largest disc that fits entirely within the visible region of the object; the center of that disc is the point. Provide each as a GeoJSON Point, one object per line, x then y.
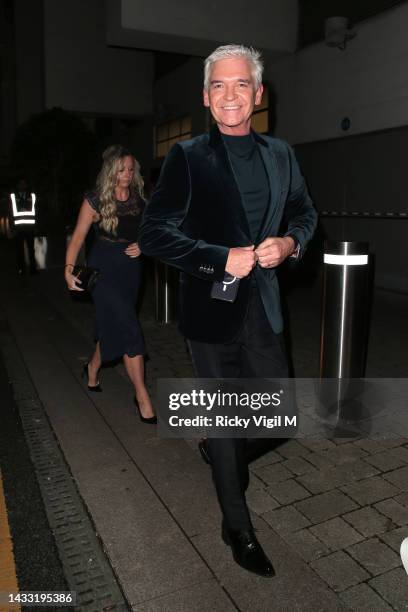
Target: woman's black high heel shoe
{"type": "Point", "coordinates": [85, 374]}
{"type": "Point", "coordinates": [150, 420]}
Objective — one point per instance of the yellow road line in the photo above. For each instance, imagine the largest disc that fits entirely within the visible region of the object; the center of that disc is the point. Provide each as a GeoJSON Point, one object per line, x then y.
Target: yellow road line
{"type": "Point", "coordinates": [8, 578]}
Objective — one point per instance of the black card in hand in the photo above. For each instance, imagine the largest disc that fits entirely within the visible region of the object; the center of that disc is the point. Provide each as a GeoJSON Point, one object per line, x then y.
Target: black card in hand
{"type": "Point", "coordinates": [227, 289]}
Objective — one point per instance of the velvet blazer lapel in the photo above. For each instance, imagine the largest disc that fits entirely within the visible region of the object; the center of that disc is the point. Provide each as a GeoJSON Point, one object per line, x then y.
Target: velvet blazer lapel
{"type": "Point", "coordinates": [268, 227]}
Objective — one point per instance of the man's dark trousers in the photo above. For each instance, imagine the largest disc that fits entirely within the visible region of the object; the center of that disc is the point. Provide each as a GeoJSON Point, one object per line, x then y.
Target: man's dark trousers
{"type": "Point", "coordinates": [256, 352]}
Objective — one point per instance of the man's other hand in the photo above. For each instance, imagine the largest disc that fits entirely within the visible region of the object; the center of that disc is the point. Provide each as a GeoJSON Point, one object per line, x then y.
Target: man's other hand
{"type": "Point", "coordinates": [272, 251]}
{"type": "Point", "coordinates": [240, 261]}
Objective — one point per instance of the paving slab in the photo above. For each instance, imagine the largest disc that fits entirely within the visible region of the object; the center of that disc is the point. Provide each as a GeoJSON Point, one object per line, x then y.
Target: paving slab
{"type": "Point", "coordinates": [393, 442]}
{"type": "Point", "coordinates": [374, 556]}
{"type": "Point", "coordinates": [393, 587]}
{"type": "Point", "coordinates": [389, 460]}
{"type": "Point", "coordinates": [401, 452]}
{"type": "Point", "coordinates": [342, 441]}
{"type": "Point", "coordinates": [182, 481]}
{"type": "Point", "coordinates": [322, 507]}
{"type": "Point", "coordinates": [260, 501]}
{"type": "Point", "coordinates": [202, 597]}
{"type": "Point", "coordinates": [288, 492]}
{"type": "Point", "coordinates": [393, 510]}
{"type": "Point", "coordinates": [345, 453]}
{"type": "Point", "coordinates": [370, 491]}
{"type": "Point", "coordinates": [402, 498]}
{"type": "Point", "coordinates": [336, 476]}
{"type": "Point", "coordinates": [368, 521]}
{"type": "Point", "coordinates": [274, 473]}
{"type": "Point", "coordinates": [336, 533]}
{"type": "Point", "coordinates": [267, 459]}
{"type": "Point", "coordinates": [299, 465]}
{"type": "Point", "coordinates": [370, 446]}
{"type": "Point", "coordinates": [286, 519]}
{"type": "Point", "coordinates": [394, 537]}
{"type": "Point", "coordinates": [140, 540]}
{"type": "Point", "coordinates": [362, 598]}
{"type": "Point", "coordinates": [316, 444]}
{"type": "Point", "coordinates": [318, 460]}
{"type": "Point", "coordinates": [340, 571]}
{"type": "Point", "coordinates": [292, 448]}
{"type": "Point", "coordinates": [305, 544]}
{"type": "Point", "coordinates": [399, 478]}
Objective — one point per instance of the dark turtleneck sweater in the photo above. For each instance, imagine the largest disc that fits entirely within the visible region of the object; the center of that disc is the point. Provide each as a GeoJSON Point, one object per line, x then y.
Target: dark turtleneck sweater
{"type": "Point", "coordinates": [252, 179]}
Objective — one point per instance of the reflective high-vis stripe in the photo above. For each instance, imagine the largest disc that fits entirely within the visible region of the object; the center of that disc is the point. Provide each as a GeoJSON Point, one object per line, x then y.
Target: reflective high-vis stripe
{"type": "Point", "coordinates": [345, 260]}
{"type": "Point", "coordinates": [23, 213]}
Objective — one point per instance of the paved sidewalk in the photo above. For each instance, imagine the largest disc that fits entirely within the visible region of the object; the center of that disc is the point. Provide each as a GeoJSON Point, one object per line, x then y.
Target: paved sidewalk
{"type": "Point", "coordinates": [330, 513]}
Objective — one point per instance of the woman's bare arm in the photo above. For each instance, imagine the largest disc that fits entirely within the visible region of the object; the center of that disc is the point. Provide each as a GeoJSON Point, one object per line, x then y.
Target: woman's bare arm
{"type": "Point", "coordinates": [87, 216]}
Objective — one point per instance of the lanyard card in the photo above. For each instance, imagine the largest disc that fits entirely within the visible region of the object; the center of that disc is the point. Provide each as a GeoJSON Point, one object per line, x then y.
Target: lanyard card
{"type": "Point", "coordinates": [225, 290]}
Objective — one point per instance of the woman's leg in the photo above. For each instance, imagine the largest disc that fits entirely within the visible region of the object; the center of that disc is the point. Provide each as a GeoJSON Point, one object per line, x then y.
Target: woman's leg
{"type": "Point", "coordinates": [93, 366]}
{"type": "Point", "coordinates": [135, 369]}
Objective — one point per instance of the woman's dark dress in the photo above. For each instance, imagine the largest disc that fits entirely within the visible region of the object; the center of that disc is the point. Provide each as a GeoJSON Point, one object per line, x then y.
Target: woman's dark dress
{"type": "Point", "coordinates": [115, 293]}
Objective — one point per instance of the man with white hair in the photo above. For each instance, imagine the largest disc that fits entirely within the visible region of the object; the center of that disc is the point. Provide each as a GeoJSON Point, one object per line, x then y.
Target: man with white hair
{"type": "Point", "coordinates": [230, 206]}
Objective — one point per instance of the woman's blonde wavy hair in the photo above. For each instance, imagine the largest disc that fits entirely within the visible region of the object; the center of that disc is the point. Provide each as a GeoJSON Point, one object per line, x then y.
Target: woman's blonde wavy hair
{"type": "Point", "coordinates": [106, 183]}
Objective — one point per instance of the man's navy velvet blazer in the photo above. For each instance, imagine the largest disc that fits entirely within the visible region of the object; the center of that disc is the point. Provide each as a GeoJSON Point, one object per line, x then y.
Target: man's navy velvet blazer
{"type": "Point", "coordinates": [196, 214]}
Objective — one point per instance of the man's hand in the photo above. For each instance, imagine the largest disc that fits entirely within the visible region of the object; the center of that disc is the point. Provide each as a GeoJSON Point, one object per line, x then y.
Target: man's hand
{"type": "Point", "coordinates": [272, 251]}
{"type": "Point", "coordinates": [240, 261]}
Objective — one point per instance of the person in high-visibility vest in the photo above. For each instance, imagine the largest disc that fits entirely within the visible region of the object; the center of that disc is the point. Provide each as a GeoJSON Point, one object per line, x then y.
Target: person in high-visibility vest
{"type": "Point", "coordinates": [23, 220]}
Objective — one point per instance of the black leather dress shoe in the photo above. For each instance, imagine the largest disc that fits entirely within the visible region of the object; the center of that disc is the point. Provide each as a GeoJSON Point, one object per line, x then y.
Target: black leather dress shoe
{"type": "Point", "coordinates": [247, 551]}
{"type": "Point", "coordinates": [203, 448]}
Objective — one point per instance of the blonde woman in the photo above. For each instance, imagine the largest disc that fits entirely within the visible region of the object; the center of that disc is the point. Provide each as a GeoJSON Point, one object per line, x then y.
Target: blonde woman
{"type": "Point", "coordinates": [115, 209]}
